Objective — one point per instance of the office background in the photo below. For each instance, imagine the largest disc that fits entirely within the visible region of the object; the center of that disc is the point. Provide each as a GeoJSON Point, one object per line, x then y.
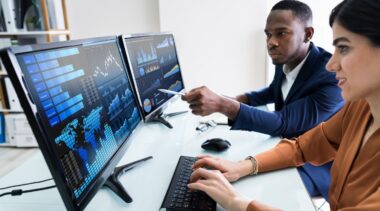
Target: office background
{"type": "Point", "coordinates": [220, 43]}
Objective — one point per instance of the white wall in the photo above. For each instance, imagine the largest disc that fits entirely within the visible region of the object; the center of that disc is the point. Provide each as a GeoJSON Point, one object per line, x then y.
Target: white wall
{"type": "Point", "coordinates": [91, 18]}
{"type": "Point", "coordinates": [221, 43]}
{"type": "Point", "coordinates": [321, 12]}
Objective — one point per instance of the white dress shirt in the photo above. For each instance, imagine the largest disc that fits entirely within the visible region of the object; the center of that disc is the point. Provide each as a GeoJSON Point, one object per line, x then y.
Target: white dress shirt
{"type": "Point", "coordinates": [291, 76]}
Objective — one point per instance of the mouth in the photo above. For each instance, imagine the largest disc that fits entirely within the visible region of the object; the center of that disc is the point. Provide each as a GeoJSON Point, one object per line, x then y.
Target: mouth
{"type": "Point", "coordinates": [341, 81]}
{"type": "Point", "coordinates": [274, 54]}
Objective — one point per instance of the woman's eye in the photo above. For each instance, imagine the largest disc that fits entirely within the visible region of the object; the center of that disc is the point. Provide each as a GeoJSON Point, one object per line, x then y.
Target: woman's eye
{"type": "Point", "coordinates": [342, 49]}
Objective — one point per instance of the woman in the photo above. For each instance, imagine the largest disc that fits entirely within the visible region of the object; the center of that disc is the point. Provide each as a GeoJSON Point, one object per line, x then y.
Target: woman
{"type": "Point", "coordinates": [351, 138]}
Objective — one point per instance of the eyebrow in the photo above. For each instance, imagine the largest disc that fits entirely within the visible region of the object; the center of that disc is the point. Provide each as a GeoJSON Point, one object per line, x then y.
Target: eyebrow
{"type": "Point", "coordinates": [277, 29]}
{"type": "Point", "coordinates": [340, 39]}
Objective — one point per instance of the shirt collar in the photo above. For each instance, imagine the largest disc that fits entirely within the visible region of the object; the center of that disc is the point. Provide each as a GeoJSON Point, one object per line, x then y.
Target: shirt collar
{"type": "Point", "coordinates": [293, 73]}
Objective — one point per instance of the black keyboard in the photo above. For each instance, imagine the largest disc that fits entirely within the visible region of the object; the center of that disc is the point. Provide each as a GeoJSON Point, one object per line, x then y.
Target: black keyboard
{"type": "Point", "coordinates": [178, 197]}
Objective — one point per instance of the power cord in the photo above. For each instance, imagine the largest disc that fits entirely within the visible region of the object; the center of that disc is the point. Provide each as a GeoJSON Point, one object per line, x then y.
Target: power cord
{"type": "Point", "coordinates": [29, 183]}
{"type": "Point", "coordinates": [17, 192]}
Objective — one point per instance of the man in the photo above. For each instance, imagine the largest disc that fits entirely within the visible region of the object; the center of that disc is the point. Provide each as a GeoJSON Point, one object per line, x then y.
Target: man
{"type": "Point", "coordinates": [304, 93]}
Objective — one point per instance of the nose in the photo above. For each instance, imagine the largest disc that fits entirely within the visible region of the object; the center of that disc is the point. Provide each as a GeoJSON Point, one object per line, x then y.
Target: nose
{"type": "Point", "coordinates": [333, 64]}
{"type": "Point", "coordinates": [272, 42]}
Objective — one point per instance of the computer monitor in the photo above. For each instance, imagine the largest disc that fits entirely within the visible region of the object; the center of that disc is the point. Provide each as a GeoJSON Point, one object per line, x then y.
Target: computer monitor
{"type": "Point", "coordinates": [78, 100]}
{"type": "Point", "coordinates": [154, 65]}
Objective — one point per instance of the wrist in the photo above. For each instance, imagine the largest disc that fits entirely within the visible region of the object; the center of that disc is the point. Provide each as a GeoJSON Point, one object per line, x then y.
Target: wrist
{"type": "Point", "coordinates": [254, 165]}
{"type": "Point", "coordinates": [229, 107]}
{"type": "Point", "coordinates": [242, 98]}
{"type": "Point", "coordinates": [245, 168]}
{"type": "Point", "coordinates": [238, 203]}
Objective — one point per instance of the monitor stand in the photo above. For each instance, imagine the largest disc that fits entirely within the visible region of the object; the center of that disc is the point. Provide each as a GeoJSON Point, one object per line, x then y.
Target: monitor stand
{"type": "Point", "coordinates": [161, 118]}
{"type": "Point", "coordinates": [113, 180]}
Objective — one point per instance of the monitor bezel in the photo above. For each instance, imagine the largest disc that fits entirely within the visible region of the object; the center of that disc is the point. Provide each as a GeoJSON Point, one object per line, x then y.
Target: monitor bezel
{"type": "Point", "coordinates": [15, 73]}
{"type": "Point", "coordinates": [159, 110]}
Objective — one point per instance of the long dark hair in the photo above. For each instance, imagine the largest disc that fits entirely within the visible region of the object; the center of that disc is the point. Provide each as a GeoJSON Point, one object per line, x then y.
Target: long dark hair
{"type": "Point", "coordinates": [360, 17]}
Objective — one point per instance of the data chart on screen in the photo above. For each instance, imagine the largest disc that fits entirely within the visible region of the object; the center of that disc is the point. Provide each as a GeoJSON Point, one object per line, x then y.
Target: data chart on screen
{"type": "Point", "coordinates": [154, 62]}
{"type": "Point", "coordinates": [85, 103]}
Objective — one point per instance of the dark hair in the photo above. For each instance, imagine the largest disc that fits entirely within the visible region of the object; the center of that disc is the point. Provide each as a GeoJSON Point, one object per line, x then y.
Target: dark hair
{"type": "Point", "coordinates": [360, 17]}
{"type": "Point", "coordinates": [299, 10]}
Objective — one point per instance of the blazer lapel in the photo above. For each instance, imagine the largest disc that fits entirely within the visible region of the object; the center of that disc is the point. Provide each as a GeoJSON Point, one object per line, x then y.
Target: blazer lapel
{"type": "Point", "coordinates": [305, 72]}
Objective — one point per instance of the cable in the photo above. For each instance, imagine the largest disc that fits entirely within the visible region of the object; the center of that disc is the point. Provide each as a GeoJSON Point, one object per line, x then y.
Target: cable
{"type": "Point", "coordinates": [12, 186]}
{"type": "Point", "coordinates": [18, 192]}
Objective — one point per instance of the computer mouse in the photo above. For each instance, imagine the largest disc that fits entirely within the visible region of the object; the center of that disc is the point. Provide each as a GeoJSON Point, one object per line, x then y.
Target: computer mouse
{"type": "Point", "coordinates": [216, 144]}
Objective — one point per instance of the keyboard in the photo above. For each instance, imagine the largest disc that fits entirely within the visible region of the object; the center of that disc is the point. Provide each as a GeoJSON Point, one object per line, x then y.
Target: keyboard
{"type": "Point", "coordinates": [178, 197]}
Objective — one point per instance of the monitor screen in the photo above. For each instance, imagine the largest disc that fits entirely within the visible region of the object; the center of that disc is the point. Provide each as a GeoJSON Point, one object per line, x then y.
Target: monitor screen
{"type": "Point", "coordinates": [84, 105]}
{"type": "Point", "coordinates": [154, 65]}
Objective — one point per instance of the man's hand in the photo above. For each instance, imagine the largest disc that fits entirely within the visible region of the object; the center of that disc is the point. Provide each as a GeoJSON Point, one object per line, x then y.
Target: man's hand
{"type": "Point", "coordinates": [204, 102]}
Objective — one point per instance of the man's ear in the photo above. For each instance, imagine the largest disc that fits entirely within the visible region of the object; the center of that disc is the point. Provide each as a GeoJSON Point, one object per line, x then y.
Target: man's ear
{"type": "Point", "coordinates": [309, 32]}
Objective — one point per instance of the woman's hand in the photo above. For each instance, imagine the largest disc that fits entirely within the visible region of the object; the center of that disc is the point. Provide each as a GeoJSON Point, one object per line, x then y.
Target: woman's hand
{"type": "Point", "coordinates": [217, 187]}
{"type": "Point", "coordinates": [232, 171]}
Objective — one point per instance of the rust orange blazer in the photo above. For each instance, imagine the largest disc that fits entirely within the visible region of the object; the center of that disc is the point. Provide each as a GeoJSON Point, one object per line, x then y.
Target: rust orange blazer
{"type": "Point", "coordinates": [355, 174]}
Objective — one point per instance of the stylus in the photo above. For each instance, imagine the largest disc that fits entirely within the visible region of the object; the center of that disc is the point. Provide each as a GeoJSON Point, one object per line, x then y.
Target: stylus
{"type": "Point", "coordinates": [213, 122]}
{"type": "Point", "coordinates": [171, 92]}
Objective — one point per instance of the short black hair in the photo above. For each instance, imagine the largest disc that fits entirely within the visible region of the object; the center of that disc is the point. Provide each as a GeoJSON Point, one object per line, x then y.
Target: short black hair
{"type": "Point", "coordinates": [360, 17]}
{"type": "Point", "coordinates": [299, 9]}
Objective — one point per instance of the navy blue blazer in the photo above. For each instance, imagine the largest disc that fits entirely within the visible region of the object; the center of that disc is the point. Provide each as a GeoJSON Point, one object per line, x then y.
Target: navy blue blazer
{"type": "Point", "coordinates": [313, 98]}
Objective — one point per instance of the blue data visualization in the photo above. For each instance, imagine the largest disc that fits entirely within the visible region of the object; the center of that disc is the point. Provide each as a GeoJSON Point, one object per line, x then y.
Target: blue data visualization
{"type": "Point", "coordinates": [153, 60]}
{"type": "Point", "coordinates": [85, 103]}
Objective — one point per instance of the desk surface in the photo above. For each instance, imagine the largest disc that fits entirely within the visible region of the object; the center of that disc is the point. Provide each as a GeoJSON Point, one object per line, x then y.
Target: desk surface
{"type": "Point", "coordinates": [12, 157]}
{"type": "Point", "coordinates": [147, 183]}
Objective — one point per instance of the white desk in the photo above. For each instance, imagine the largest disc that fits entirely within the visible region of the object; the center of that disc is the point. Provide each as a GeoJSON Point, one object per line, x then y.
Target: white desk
{"type": "Point", "coordinates": [147, 183]}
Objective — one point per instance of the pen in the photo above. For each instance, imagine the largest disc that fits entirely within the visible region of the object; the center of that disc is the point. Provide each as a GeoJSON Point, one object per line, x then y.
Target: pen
{"type": "Point", "coordinates": [171, 92]}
